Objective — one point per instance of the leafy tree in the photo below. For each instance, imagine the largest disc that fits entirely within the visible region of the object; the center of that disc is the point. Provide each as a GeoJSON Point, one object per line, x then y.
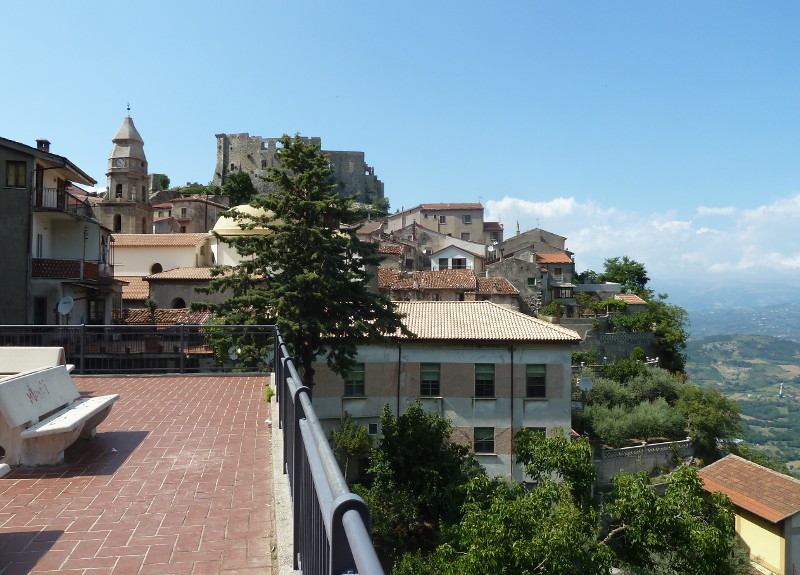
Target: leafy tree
{"type": "Point", "coordinates": [351, 441]}
{"type": "Point", "coordinates": [239, 188]}
{"type": "Point", "coordinates": [163, 182]}
{"type": "Point", "coordinates": [628, 272]}
{"type": "Point", "coordinates": [684, 531]}
{"type": "Point", "coordinates": [712, 419]}
{"type": "Point", "coordinates": [623, 370]}
{"type": "Point", "coordinates": [570, 459]}
{"type": "Point", "coordinates": [416, 473]}
{"type": "Point", "coordinates": [306, 273]}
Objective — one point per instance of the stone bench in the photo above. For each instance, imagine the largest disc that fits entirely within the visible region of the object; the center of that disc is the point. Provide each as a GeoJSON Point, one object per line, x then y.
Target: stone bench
{"type": "Point", "coordinates": [17, 359]}
{"type": "Point", "coordinates": [41, 414]}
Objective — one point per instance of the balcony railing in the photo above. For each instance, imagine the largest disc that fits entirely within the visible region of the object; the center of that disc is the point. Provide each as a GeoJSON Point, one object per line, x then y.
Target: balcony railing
{"type": "Point", "coordinates": [62, 200]}
{"type": "Point", "coordinates": [70, 269]}
{"type": "Point", "coordinates": [331, 524]}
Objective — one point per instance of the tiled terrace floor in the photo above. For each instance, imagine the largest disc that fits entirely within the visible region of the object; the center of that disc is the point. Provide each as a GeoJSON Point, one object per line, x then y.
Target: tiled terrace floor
{"type": "Point", "coordinates": [178, 480]}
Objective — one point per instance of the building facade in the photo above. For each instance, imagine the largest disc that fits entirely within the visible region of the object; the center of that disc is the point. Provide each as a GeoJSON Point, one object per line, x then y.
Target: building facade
{"type": "Point", "coordinates": [491, 371]}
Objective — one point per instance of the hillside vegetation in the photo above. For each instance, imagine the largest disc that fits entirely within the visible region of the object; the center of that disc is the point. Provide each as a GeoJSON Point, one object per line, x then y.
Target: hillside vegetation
{"type": "Point", "coordinates": [751, 369]}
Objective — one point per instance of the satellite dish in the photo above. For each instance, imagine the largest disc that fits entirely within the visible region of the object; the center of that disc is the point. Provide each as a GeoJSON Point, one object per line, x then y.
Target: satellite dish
{"type": "Point", "coordinates": [585, 384]}
{"type": "Point", "coordinates": [233, 352]}
{"type": "Point", "coordinates": [65, 305]}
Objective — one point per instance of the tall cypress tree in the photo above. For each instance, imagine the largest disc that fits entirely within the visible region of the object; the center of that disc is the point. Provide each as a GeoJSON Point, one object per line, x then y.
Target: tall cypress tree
{"type": "Point", "coordinates": [303, 270]}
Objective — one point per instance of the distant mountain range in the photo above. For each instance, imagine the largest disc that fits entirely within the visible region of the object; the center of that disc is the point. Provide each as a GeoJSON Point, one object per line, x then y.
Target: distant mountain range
{"type": "Point", "coordinates": [781, 321]}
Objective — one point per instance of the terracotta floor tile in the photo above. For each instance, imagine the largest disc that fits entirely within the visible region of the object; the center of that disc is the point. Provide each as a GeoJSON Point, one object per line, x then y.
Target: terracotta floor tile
{"type": "Point", "coordinates": [178, 480]}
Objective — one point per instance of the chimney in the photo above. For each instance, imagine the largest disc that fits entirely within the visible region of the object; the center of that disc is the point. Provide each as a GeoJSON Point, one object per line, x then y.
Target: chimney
{"type": "Point", "coordinates": [43, 145]}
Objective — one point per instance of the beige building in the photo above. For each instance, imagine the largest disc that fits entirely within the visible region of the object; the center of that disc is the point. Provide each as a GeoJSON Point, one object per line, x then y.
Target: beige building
{"type": "Point", "coordinates": [461, 221]}
{"type": "Point", "coordinates": [126, 207]}
{"type": "Point", "coordinates": [767, 509]}
{"type": "Point", "coordinates": [489, 370]}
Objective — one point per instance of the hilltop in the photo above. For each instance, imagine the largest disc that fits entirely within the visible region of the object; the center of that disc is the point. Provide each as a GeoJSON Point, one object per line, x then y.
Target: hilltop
{"type": "Point", "coordinates": [751, 369]}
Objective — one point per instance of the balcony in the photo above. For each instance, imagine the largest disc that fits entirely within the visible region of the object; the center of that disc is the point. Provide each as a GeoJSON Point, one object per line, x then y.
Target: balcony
{"type": "Point", "coordinates": [70, 269]}
{"type": "Point", "coordinates": [55, 199]}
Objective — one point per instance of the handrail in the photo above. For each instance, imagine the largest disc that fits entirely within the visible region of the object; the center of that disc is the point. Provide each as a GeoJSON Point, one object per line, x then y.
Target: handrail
{"type": "Point", "coordinates": [331, 524]}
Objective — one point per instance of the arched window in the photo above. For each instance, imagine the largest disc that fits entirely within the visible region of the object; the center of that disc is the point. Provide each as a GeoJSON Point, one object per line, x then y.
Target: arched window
{"type": "Point", "coordinates": [118, 192]}
{"type": "Point", "coordinates": [156, 268]}
{"type": "Point", "coordinates": [178, 303]}
{"type": "Point", "coordinates": [117, 223]}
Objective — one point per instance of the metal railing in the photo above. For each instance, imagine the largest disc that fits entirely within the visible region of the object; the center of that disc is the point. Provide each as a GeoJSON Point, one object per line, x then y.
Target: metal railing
{"type": "Point", "coordinates": [331, 524]}
{"type": "Point", "coordinates": [62, 200]}
{"type": "Point", "coordinates": [179, 348]}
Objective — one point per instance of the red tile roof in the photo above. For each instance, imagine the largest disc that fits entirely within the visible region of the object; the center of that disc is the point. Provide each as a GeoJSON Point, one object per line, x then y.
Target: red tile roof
{"type": "Point", "coordinates": [391, 279]}
{"type": "Point", "coordinates": [164, 317]}
{"type": "Point", "coordinates": [451, 206]}
{"type": "Point", "coordinates": [560, 258]}
{"type": "Point", "coordinates": [496, 285]}
{"type": "Point", "coordinates": [158, 240]}
{"type": "Point", "coordinates": [182, 274]}
{"type": "Point", "coordinates": [137, 288]}
{"type": "Point", "coordinates": [390, 249]}
{"type": "Point", "coordinates": [766, 493]}
{"type": "Point", "coordinates": [478, 321]}
{"type": "Point", "coordinates": [630, 299]}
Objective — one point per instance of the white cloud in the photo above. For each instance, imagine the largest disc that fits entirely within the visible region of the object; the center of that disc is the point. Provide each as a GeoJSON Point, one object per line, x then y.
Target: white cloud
{"type": "Point", "coordinates": [762, 242]}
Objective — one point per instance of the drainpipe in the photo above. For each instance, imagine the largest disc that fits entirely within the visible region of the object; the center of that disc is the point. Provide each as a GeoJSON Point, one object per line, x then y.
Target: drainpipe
{"type": "Point", "coordinates": [511, 423]}
{"type": "Point", "coordinates": [399, 368]}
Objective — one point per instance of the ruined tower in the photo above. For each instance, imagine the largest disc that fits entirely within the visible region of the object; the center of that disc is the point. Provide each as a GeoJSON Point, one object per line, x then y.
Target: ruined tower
{"type": "Point", "coordinates": [255, 155]}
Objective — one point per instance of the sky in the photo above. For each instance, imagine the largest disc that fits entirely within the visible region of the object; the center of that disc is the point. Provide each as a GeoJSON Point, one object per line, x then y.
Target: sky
{"type": "Point", "coordinates": [664, 131]}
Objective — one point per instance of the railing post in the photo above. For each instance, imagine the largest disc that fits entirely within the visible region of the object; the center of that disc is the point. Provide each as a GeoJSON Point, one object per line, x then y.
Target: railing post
{"type": "Point", "coordinates": [82, 346]}
{"type": "Point", "coordinates": [181, 342]}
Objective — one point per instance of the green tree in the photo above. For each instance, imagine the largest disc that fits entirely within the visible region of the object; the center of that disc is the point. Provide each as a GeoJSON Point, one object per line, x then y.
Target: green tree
{"type": "Point", "coordinates": [712, 419]}
{"type": "Point", "coordinates": [163, 182]}
{"type": "Point", "coordinates": [239, 188]}
{"type": "Point", "coordinates": [684, 531]}
{"type": "Point", "coordinates": [628, 272]}
{"type": "Point", "coordinates": [306, 273]}
{"type": "Point", "coordinates": [570, 459]}
{"type": "Point", "coordinates": [350, 441]}
{"type": "Point", "coordinates": [416, 474]}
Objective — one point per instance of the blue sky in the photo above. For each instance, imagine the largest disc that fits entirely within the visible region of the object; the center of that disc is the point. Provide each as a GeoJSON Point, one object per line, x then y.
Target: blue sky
{"type": "Point", "coordinates": [666, 131]}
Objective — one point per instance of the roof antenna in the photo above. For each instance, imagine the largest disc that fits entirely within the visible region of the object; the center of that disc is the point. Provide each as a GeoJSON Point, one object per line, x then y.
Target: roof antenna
{"type": "Point", "coordinates": [129, 108]}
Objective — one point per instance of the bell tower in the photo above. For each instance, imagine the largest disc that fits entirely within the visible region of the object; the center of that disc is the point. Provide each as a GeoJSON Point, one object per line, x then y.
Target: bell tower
{"type": "Point", "coordinates": [126, 208]}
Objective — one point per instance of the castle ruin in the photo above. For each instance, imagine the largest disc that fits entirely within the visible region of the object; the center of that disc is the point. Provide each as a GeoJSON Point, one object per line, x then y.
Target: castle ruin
{"type": "Point", "coordinates": [255, 155]}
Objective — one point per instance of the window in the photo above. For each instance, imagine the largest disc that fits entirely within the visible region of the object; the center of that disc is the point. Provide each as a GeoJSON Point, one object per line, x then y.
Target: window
{"type": "Point", "coordinates": [178, 303]}
{"type": "Point", "coordinates": [117, 223]}
{"type": "Point", "coordinates": [183, 212]}
{"type": "Point", "coordinates": [465, 236]}
{"type": "Point", "coordinates": [156, 268]}
{"type": "Point", "coordinates": [483, 440]}
{"type": "Point", "coordinates": [263, 163]}
{"type": "Point", "coordinates": [118, 191]}
{"type": "Point", "coordinates": [467, 219]}
{"type": "Point", "coordinates": [563, 293]}
{"type": "Point", "coordinates": [443, 263]}
{"type": "Point", "coordinates": [442, 219]}
{"type": "Point", "coordinates": [535, 380]}
{"type": "Point", "coordinates": [16, 174]}
{"type": "Point", "coordinates": [97, 311]}
{"type": "Point", "coordinates": [183, 229]}
{"type": "Point", "coordinates": [484, 380]}
{"type": "Point", "coordinates": [354, 381]}
{"type": "Point", "coordinates": [531, 282]}
{"type": "Point", "coordinates": [372, 429]}
{"type": "Point", "coordinates": [429, 379]}
{"type": "Point", "coordinates": [542, 430]}
{"type": "Point", "coordinates": [459, 263]}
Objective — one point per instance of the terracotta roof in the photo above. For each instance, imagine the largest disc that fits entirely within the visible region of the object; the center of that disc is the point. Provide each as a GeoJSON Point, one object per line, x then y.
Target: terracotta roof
{"type": "Point", "coordinates": [459, 248]}
{"type": "Point", "coordinates": [158, 240]}
{"type": "Point", "coordinates": [136, 289]}
{"type": "Point", "coordinates": [561, 258]}
{"type": "Point", "coordinates": [163, 205]}
{"type": "Point", "coordinates": [182, 274]}
{"type": "Point", "coordinates": [630, 299]}
{"type": "Point", "coordinates": [164, 317]}
{"type": "Point", "coordinates": [496, 285]}
{"type": "Point", "coordinates": [391, 279]}
{"type": "Point", "coordinates": [390, 249]}
{"type": "Point", "coordinates": [174, 201]}
{"type": "Point", "coordinates": [766, 493]}
{"type": "Point", "coordinates": [478, 321]}
{"type": "Point", "coordinates": [369, 227]}
{"type": "Point", "coordinates": [451, 206]}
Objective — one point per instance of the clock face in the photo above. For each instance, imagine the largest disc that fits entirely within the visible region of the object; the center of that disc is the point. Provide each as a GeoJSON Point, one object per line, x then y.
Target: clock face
{"type": "Point", "coordinates": [120, 162]}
